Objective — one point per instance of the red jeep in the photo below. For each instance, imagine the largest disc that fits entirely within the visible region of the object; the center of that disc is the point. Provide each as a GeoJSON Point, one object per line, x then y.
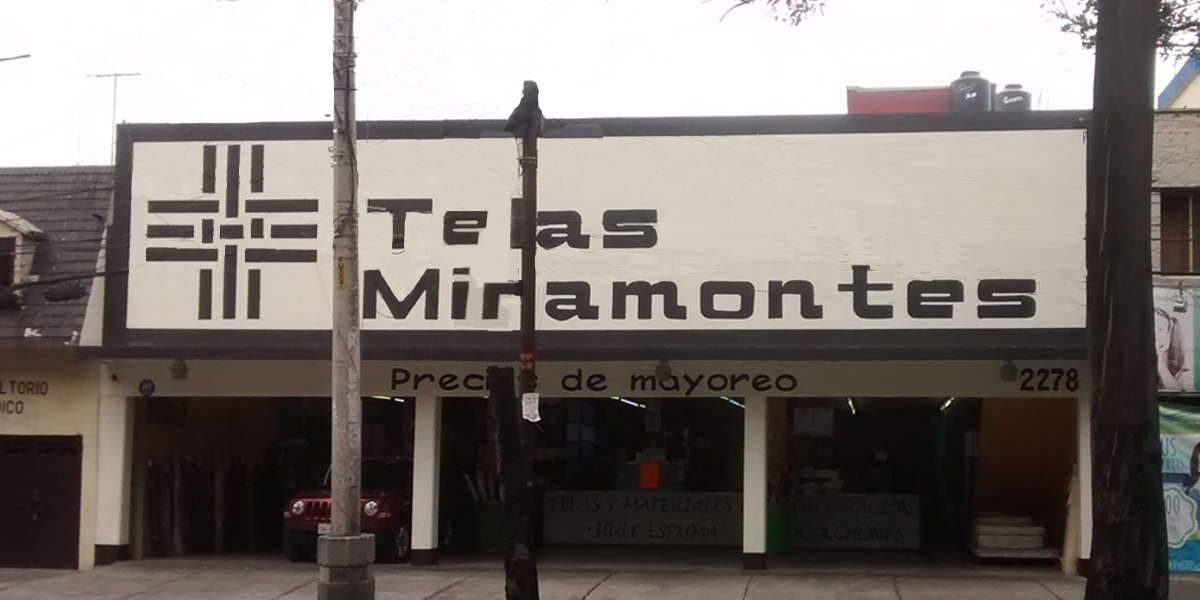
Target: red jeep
{"type": "Point", "coordinates": [386, 512]}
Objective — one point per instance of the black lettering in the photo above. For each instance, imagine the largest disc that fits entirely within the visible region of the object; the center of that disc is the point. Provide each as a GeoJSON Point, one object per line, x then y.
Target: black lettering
{"type": "Point", "coordinates": [647, 382]}
{"type": "Point", "coordinates": [637, 222]}
{"type": "Point", "coordinates": [573, 382]}
{"type": "Point", "coordinates": [558, 227]}
{"type": "Point", "coordinates": [644, 292]}
{"type": "Point", "coordinates": [671, 384]}
{"type": "Point", "coordinates": [692, 383]}
{"type": "Point", "coordinates": [1010, 298]}
{"type": "Point", "coordinates": [400, 209]}
{"type": "Point", "coordinates": [374, 286]}
{"type": "Point", "coordinates": [578, 304]}
{"type": "Point", "coordinates": [929, 299]}
{"type": "Point", "coordinates": [709, 290]}
{"type": "Point", "coordinates": [860, 288]}
{"type": "Point", "coordinates": [460, 227]}
{"type": "Point", "coordinates": [400, 377]}
{"type": "Point", "coordinates": [809, 309]}
{"type": "Point", "coordinates": [761, 383]}
{"type": "Point", "coordinates": [422, 377]}
{"type": "Point", "coordinates": [448, 382]}
{"type": "Point", "coordinates": [458, 299]}
{"type": "Point", "coordinates": [595, 382]}
{"type": "Point", "coordinates": [714, 387]}
{"type": "Point", "coordinates": [477, 377]}
{"type": "Point", "coordinates": [492, 293]}
{"type": "Point", "coordinates": [20, 407]}
{"type": "Point", "coordinates": [790, 386]}
{"type": "Point", "coordinates": [733, 381]}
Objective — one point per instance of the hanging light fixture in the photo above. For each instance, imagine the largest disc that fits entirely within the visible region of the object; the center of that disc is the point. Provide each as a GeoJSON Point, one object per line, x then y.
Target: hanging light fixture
{"type": "Point", "coordinates": [179, 369]}
{"type": "Point", "coordinates": [1008, 371]}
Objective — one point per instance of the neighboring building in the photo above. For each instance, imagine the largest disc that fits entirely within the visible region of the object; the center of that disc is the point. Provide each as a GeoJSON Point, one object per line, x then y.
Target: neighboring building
{"type": "Point", "coordinates": [1182, 92]}
{"type": "Point", "coordinates": [51, 224]}
{"type": "Point", "coordinates": [869, 328]}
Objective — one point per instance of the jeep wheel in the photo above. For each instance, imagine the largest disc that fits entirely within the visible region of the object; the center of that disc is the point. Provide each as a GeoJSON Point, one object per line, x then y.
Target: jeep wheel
{"type": "Point", "coordinates": [402, 542]}
{"type": "Point", "coordinates": [395, 546]}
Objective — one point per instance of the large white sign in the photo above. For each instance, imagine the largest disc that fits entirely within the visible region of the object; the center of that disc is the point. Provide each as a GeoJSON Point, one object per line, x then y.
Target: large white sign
{"type": "Point", "coordinates": [928, 230]}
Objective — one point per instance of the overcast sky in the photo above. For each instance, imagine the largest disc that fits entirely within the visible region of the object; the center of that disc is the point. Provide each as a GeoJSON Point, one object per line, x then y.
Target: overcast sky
{"type": "Point", "coordinates": [255, 60]}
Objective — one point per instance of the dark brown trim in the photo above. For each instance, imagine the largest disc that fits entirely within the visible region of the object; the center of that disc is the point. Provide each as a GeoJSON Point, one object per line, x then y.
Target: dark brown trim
{"type": "Point", "coordinates": [424, 558]}
{"type": "Point", "coordinates": [233, 173]}
{"type": "Point", "coordinates": [229, 290]}
{"type": "Point", "coordinates": [633, 345]}
{"type": "Point", "coordinates": [282, 206]}
{"type": "Point", "coordinates": [256, 168]}
{"type": "Point", "coordinates": [275, 255]}
{"type": "Point", "coordinates": [116, 255]}
{"type": "Point", "coordinates": [179, 232]}
{"type": "Point", "coordinates": [206, 295]}
{"type": "Point", "coordinates": [208, 182]}
{"type": "Point", "coordinates": [162, 207]}
{"type": "Point", "coordinates": [181, 254]}
{"type": "Point", "coordinates": [650, 126]}
{"type": "Point", "coordinates": [107, 554]}
{"type": "Point", "coordinates": [754, 561]}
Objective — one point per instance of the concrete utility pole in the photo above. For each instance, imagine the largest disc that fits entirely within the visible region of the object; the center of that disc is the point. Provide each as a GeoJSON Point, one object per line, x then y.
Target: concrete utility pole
{"type": "Point", "coordinates": [345, 554]}
{"type": "Point", "coordinates": [115, 78]}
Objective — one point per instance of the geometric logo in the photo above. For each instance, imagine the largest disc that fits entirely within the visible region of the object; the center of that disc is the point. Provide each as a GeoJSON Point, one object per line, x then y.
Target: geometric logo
{"type": "Point", "coordinates": [238, 225]}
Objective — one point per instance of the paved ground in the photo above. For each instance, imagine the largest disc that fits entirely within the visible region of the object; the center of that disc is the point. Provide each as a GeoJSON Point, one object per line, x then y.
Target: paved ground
{"type": "Point", "coordinates": [272, 579]}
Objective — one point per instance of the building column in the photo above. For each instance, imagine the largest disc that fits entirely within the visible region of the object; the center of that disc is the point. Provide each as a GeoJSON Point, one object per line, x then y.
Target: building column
{"type": "Point", "coordinates": [754, 485]}
{"type": "Point", "coordinates": [427, 459]}
{"type": "Point", "coordinates": [1083, 413]}
{"type": "Point", "coordinates": [114, 473]}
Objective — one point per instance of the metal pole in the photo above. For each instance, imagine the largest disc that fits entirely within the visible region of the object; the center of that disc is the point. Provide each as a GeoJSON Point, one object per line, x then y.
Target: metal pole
{"type": "Point", "coordinates": [115, 78]}
{"type": "Point", "coordinates": [345, 554]}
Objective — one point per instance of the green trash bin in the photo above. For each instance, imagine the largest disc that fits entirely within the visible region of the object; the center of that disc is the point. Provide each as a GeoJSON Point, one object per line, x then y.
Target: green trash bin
{"type": "Point", "coordinates": [779, 528]}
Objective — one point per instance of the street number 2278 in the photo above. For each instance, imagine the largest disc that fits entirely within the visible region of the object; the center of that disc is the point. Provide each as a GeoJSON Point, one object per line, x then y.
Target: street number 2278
{"type": "Point", "coordinates": [1049, 380]}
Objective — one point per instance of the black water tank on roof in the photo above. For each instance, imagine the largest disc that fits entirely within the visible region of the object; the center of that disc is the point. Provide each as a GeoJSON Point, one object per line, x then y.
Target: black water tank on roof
{"type": "Point", "coordinates": [1014, 98]}
{"type": "Point", "coordinates": [971, 93]}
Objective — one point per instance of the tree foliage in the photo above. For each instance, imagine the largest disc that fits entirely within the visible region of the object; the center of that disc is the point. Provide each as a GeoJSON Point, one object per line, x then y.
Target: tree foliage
{"type": "Point", "coordinates": [1178, 30]}
{"type": "Point", "coordinates": [791, 11]}
{"type": "Point", "coordinates": [1178, 23]}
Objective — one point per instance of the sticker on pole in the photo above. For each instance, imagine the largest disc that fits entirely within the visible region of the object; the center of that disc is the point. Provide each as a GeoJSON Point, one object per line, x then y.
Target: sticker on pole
{"type": "Point", "coordinates": [529, 407]}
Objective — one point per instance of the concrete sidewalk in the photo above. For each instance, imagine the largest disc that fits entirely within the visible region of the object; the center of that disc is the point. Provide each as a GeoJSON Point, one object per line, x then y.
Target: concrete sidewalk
{"type": "Point", "coordinates": [266, 579]}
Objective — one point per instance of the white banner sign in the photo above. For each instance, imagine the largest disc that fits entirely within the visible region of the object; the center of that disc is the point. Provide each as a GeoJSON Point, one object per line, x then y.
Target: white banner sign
{"type": "Point", "coordinates": [925, 230]}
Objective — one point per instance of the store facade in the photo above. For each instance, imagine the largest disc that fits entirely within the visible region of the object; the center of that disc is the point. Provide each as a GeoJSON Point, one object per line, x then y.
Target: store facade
{"type": "Point", "coordinates": [51, 415]}
{"type": "Point", "coordinates": [832, 315]}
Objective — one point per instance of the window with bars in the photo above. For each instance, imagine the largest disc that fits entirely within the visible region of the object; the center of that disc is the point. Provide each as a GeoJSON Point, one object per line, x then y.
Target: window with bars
{"type": "Point", "coordinates": [8, 260]}
{"type": "Point", "coordinates": [1180, 235]}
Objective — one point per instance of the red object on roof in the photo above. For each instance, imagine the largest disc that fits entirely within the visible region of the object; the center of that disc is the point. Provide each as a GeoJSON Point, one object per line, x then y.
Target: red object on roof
{"type": "Point", "coordinates": [865, 101]}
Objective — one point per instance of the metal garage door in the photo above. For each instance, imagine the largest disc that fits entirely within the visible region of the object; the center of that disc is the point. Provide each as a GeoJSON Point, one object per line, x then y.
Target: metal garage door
{"type": "Point", "coordinates": [39, 501]}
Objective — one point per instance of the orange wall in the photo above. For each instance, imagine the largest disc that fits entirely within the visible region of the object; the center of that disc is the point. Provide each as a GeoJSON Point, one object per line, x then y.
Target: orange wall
{"type": "Point", "coordinates": [1026, 452]}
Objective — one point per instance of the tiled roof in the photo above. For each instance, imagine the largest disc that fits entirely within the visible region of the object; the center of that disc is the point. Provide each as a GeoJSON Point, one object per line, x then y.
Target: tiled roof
{"type": "Point", "coordinates": [69, 204]}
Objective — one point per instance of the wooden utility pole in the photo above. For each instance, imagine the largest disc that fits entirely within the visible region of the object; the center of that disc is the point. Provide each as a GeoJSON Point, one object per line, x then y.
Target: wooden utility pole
{"type": "Point", "coordinates": [1129, 550]}
{"type": "Point", "coordinates": [345, 554]}
{"type": "Point", "coordinates": [514, 438]}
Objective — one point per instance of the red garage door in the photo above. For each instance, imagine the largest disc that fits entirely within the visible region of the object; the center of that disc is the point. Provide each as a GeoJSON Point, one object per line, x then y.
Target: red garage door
{"type": "Point", "coordinates": [39, 501]}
